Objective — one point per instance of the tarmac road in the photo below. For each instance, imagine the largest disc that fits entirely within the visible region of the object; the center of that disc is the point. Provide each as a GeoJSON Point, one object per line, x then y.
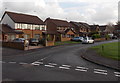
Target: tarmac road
{"type": "Point", "coordinates": [61, 63]}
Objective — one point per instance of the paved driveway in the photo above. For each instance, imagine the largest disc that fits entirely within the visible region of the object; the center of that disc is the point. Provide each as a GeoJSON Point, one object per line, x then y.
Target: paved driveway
{"type": "Point", "coordinates": [62, 63]}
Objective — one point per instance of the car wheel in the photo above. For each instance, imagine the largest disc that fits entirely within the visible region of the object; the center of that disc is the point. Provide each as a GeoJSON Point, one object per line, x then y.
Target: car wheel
{"type": "Point", "coordinates": [88, 42]}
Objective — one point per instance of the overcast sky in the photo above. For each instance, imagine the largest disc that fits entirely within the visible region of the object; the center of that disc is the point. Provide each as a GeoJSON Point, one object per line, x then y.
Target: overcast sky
{"type": "Point", "coordinates": [90, 11]}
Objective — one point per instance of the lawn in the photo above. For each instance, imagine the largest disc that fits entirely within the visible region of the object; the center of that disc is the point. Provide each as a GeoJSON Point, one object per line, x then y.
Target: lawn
{"type": "Point", "coordinates": [109, 50]}
{"type": "Point", "coordinates": [66, 42]}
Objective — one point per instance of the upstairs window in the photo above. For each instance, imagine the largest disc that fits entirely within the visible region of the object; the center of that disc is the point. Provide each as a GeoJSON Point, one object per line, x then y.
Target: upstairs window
{"type": "Point", "coordinates": [37, 28]}
{"type": "Point", "coordinates": [43, 28]}
{"type": "Point", "coordinates": [29, 26]}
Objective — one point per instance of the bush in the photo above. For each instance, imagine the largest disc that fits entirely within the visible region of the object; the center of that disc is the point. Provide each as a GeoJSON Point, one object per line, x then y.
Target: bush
{"type": "Point", "coordinates": [94, 36]}
{"type": "Point", "coordinates": [92, 33]}
{"type": "Point", "coordinates": [107, 36]}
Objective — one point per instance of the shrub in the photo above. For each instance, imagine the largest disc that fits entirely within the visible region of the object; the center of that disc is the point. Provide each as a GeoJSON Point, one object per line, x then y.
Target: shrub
{"type": "Point", "coordinates": [94, 36]}
{"type": "Point", "coordinates": [107, 36]}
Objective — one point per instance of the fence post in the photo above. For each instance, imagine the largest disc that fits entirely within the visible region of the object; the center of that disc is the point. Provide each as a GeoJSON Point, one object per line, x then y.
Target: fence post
{"type": "Point", "coordinates": [102, 48]}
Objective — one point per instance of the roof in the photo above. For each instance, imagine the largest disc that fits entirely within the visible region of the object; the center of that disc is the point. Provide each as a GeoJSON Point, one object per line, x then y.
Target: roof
{"type": "Point", "coordinates": [24, 18]}
{"type": "Point", "coordinates": [103, 27]}
{"type": "Point", "coordinates": [64, 32]}
{"type": "Point", "coordinates": [93, 27]}
{"type": "Point", "coordinates": [80, 24]}
{"type": "Point", "coordinates": [7, 29]}
{"type": "Point", "coordinates": [59, 23]}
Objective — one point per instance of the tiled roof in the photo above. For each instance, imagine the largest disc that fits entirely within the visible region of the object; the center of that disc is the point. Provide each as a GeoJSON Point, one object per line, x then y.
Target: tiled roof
{"type": "Point", "coordinates": [80, 24]}
{"type": "Point", "coordinates": [103, 27]}
{"type": "Point", "coordinates": [93, 27]}
{"type": "Point", "coordinates": [64, 32]}
{"type": "Point", "coordinates": [59, 23]}
{"type": "Point", "coordinates": [24, 18]}
{"type": "Point", "coordinates": [7, 29]}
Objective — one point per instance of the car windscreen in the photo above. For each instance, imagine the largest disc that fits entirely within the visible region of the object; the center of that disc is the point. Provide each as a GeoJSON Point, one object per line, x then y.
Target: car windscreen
{"type": "Point", "coordinates": [34, 40]}
{"type": "Point", "coordinates": [90, 38]}
{"type": "Point", "coordinates": [76, 37]}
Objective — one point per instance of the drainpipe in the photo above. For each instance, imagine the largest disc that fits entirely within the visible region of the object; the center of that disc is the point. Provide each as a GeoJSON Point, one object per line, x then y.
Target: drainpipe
{"type": "Point", "coordinates": [32, 31]}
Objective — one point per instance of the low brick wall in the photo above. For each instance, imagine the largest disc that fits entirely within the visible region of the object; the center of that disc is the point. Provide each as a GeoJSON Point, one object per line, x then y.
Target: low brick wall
{"type": "Point", "coordinates": [65, 39]}
{"type": "Point", "coordinates": [17, 45]}
{"type": "Point", "coordinates": [50, 43]}
{"type": "Point", "coordinates": [99, 39]}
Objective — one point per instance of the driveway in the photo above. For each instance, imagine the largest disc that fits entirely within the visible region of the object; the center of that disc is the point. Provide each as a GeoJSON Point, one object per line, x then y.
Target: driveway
{"type": "Point", "coordinates": [61, 63]}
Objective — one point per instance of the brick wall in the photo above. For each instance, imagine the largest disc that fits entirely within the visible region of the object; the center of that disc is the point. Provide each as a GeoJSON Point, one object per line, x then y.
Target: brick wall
{"type": "Point", "coordinates": [16, 45]}
{"type": "Point", "coordinates": [49, 43]}
{"type": "Point", "coordinates": [65, 39]}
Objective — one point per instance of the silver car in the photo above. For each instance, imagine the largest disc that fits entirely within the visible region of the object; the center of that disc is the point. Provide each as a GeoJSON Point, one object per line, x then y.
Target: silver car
{"type": "Point", "coordinates": [22, 40]}
{"type": "Point", "coordinates": [87, 40]}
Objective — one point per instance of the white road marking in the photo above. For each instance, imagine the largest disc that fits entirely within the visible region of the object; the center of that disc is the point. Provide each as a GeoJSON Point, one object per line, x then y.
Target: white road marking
{"type": "Point", "coordinates": [64, 67]}
{"type": "Point", "coordinates": [37, 63]}
{"type": "Point", "coordinates": [100, 70]}
{"type": "Point", "coordinates": [105, 73]}
{"type": "Point", "coordinates": [81, 70]}
{"type": "Point", "coordinates": [22, 63]}
{"type": "Point", "coordinates": [82, 67]}
{"type": "Point", "coordinates": [49, 66]}
{"type": "Point", "coordinates": [52, 64]}
{"type": "Point", "coordinates": [45, 58]}
{"type": "Point", "coordinates": [117, 74]}
{"type": "Point", "coordinates": [11, 62]}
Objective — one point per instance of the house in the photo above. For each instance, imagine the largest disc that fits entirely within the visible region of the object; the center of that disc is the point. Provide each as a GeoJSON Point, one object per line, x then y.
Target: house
{"type": "Point", "coordinates": [7, 33]}
{"type": "Point", "coordinates": [59, 30]}
{"type": "Point", "coordinates": [102, 30]}
{"type": "Point", "coordinates": [117, 30]}
{"type": "Point", "coordinates": [31, 26]}
{"type": "Point", "coordinates": [94, 29]}
{"type": "Point", "coordinates": [82, 29]}
{"type": "Point", "coordinates": [106, 29]}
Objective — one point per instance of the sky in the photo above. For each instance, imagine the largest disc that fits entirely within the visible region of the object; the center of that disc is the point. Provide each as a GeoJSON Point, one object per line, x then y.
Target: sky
{"type": "Point", "coordinates": [90, 11]}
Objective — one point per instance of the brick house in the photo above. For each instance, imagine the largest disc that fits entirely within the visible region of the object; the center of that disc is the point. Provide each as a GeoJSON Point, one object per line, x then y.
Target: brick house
{"type": "Point", "coordinates": [102, 30]}
{"type": "Point", "coordinates": [7, 33]}
{"type": "Point", "coordinates": [60, 30]}
{"type": "Point", "coordinates": [81, 29]}
{"type": "Point", "coordinates": [31, 26]}
{"type": "Point", "coordinates": [94, 28]}
{"type": "Point", "coordinates": [117, 30]}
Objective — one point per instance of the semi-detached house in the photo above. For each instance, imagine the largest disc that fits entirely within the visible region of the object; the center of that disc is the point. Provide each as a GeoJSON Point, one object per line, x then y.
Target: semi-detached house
{"type": "Point", "coordinates": [59, 30]}
{"type": "Point", "coordinates": [28, 25]}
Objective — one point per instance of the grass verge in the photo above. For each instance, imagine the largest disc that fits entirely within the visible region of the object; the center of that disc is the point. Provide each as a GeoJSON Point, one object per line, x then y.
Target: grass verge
{"type": "Point", "coordinates": [109, 50]}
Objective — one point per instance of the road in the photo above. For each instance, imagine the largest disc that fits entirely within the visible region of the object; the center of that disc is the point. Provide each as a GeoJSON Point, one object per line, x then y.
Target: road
{"type": "Point", "coordinates": [61, 63]}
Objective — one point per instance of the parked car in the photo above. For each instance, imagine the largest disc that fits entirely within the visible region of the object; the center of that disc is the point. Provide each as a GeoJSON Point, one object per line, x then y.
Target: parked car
{"type": "Point", "coordinates": [87, 40]}
{"type": "Point", "coordinates": [114, 37]}
{"type": "Point", "coordinates": [22, 40]}
{"type": "Point", "coordinates": [77, 39]}
{"type": "Point", "coordinates": [34, 41]}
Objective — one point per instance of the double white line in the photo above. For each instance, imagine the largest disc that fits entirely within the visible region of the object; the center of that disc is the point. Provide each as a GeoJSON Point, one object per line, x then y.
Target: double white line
{"type": "Point", "coordinates": [81, 69]}
{"type": "Point", "coordinates": [50, 65]}
{"type": "Point", "coordinates": [100, 71]}
{"type": "Point", "coordinates": [117, 74]}
{"type": "Point", "coordinates": [65, 67]}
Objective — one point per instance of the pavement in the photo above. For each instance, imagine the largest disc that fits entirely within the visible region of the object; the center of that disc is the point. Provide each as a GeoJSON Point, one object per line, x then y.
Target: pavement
{"type": "Point", "coordinates": [60, 63]}
{"type": "Point", "coordinates": [94, 57]}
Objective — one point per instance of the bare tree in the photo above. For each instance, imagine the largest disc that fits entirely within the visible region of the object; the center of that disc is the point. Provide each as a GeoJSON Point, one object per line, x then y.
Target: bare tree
{"type": "Point", "coordinates": [110, 28]}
